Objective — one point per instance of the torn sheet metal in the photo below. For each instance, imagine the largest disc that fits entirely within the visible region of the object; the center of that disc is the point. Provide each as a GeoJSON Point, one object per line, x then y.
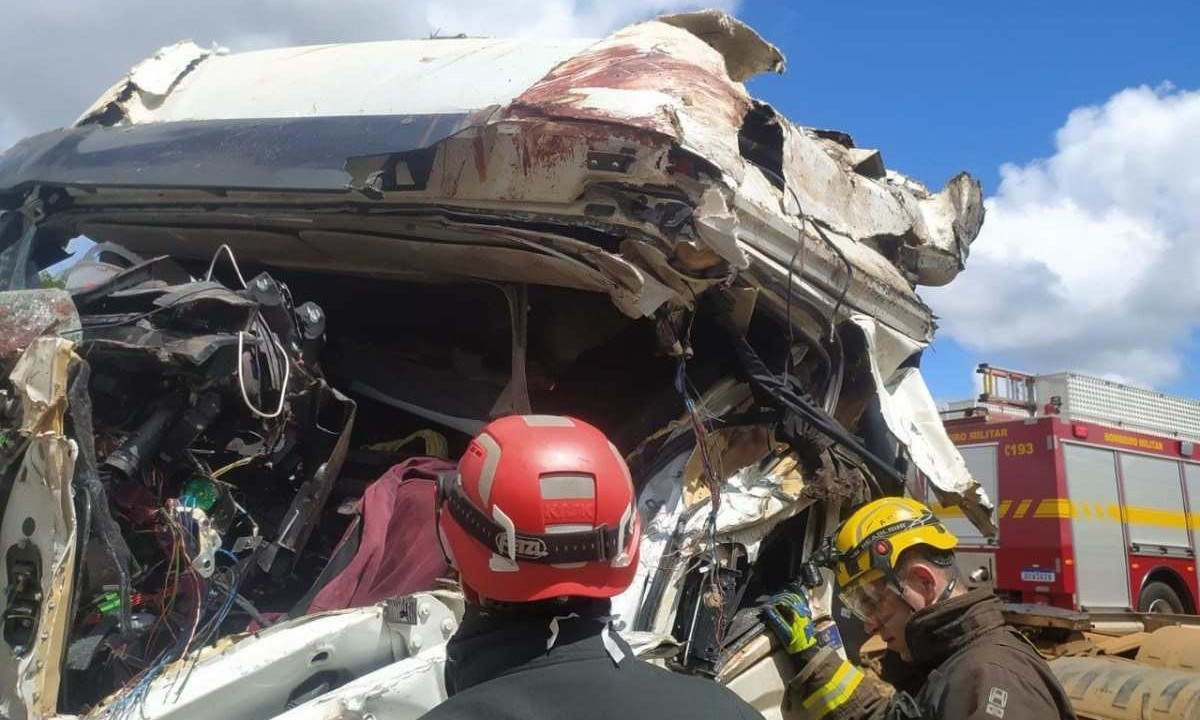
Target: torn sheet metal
{"type": "Point", "coordinates": [754, 501]}
{"type": "Point", "coordinates": [952, 220]}
{"type": "Point", "coordinates": [720, 229]}
{"type": "Point", "coordinates": [661, 507]}
{"type": "Point", "coordinates": [38, 536]}
{"type": "Point", "coordinates": [746, 53]}
{"type": "Point", "coordinates": [135, 96]}
{"type": "Point", "coordinates": [620, 80]}
{"type": "Point", "coordinates": [760, 487]}
{"type": "Point", "coordinates": [397, 659]}
{"type": "Point", "coordinates": [273, 662]}
{"type": "Point", "coordinates": [927, 234]}
{"type": "Point", "coordinates": [40, 380]}
{"type": "Point", "coordinates": [572, 134]}
{"type": "Point", "coordinates": [913, 418]}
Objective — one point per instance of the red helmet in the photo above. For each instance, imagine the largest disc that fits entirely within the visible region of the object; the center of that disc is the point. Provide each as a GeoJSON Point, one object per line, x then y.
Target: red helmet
{"type": "Point", "coordinates": [541, 506]}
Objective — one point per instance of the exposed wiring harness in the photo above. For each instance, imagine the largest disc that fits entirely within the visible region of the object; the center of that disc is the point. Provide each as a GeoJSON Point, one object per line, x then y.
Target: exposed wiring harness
{"type": "Point", "coordinates": [203, 622]}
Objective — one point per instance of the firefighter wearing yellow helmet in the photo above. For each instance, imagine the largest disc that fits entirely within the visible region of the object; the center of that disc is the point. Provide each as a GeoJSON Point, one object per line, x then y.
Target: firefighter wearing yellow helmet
{"type": "Point", "coordinates": [870, 543]}
{"type": "Point", "coordinates": [950, 655]}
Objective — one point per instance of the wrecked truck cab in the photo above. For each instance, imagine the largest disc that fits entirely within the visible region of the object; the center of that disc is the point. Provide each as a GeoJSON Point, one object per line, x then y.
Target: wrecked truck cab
{"type": "Point", "coordinates": [328, 267]}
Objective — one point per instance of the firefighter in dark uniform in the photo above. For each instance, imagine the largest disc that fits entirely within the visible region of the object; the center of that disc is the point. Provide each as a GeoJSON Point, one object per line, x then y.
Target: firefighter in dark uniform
{"type": "Point", "coordinates": [950, 655]}
{"type": "Point", "coordinates": [542, 525]}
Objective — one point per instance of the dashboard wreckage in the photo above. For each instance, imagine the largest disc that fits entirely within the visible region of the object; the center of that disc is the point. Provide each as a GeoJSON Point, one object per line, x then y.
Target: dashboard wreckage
{"type": "Point", "coordinates": [317, 271]}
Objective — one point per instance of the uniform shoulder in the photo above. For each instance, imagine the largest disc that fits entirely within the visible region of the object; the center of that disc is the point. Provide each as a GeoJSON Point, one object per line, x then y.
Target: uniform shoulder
{"type": "Point", "coordinates": [1003, 647]}
{"type": "Point", "coordinates": [995, 683]}
{"type": "Point", "coordinates": [722, 701]}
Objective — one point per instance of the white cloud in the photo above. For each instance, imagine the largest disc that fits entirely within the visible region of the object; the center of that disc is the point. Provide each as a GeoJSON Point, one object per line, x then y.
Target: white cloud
{"type": "Point", "coordinates": [1090, 260]}
{"type": "Point", "coordinates": [60, 56]}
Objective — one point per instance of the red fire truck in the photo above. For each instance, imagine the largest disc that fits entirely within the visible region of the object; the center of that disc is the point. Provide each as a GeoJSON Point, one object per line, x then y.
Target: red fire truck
{"type": "Point", "coordinates": [1094, 484]}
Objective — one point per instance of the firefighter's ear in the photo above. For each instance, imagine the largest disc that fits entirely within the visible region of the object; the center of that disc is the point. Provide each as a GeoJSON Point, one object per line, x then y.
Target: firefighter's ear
{"type": "Point", "coordinates": [923, 580]}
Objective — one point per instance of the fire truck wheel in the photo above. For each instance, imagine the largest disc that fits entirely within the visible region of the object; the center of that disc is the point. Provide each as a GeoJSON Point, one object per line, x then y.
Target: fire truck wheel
{"type": "Point", "coordinates": [1158, 597]}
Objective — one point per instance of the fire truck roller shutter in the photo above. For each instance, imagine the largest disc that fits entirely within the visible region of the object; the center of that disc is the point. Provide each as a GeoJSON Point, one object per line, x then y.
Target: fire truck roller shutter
{"type": "Point", "coordinates": [1091, 476]}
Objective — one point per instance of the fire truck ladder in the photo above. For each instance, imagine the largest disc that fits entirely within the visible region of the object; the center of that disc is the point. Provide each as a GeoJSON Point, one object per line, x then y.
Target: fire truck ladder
{"type": "Point", "coordinates": [1078, 397]}
{"type": "Point", "coordinates": [1007, 388]}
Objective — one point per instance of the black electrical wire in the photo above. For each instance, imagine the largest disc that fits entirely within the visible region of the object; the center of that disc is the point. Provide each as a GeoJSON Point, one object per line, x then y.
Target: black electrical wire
{"type": "Point", "coordinates": [824, 238]}
{"type": "Point", "coordinates": [208, 287]}
{"type": "Point", "coordinates": [241, 601]}
{"type": "Point", "coordinates": [761, 376]}
{"type": "Point", "coordinates": [833, 373]}
{"type": "Point", "coordinates": [849, 277]}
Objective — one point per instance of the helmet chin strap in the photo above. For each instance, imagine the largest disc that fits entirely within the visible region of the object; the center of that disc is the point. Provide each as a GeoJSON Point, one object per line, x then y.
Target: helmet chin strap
{"type": "Point", "coordinates": [945, 594]}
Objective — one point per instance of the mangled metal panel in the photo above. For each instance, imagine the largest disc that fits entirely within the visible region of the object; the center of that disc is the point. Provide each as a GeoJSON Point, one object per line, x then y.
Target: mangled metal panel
{"type": "Point", "coordinates": [37, 533]}
{"type": "Point", "coordinates": [624, 80]}
{"type": "Point", "coordinates": [914, 420]}
{"type": "Point", "coordinates": [604, 113]}
{"type": "Point", "coordinates": [394, 652]}
{"type": "Point", "coordinates": [926, 234]}
{"type": "Point", "coordinates": [146, 85]}
{"type": "Point", "coordinates": [745, 52]}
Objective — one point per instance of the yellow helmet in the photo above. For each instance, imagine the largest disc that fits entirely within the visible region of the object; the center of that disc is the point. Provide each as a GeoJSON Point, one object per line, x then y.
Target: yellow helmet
{"type": "Point", "coordinates": [869, 543]}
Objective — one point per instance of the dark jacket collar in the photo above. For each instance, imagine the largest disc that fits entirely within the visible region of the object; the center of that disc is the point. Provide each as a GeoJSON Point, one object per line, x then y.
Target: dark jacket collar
{"type": "Point", "coordinates": [938, 631]}
{"type": "Point", "coordinates": [491, 643]}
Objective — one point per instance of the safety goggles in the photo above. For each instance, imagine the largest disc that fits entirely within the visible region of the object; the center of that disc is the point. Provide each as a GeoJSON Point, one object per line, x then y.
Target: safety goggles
{"type": "Point", "coordinates": [864, 599]}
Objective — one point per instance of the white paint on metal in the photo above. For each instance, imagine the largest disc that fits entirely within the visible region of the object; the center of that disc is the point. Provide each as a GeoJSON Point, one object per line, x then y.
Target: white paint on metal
{"type": "Point", "coordinates": [763, 684]}
{"type": "Point", "coordinates": [41, 498]}
{"type": "Point", "coordinates": [399, 77]}
{"type": "Point", "coordinates": [149, 81]}
{"type": "Point", "coordinates": [404, 690]}
{"type": "Point", "coordinates": [913, 419]}
{"type": "Point", "coordinates": [253, 678]}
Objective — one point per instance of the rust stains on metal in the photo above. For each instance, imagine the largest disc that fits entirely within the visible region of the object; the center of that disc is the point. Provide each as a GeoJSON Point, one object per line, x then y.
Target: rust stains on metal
{"type": "Point", "coordinates": [26, 315]}
{"type": "Point", "coordinates": [654, 83]}
{"type": "Point", "coordinates": [480, 158]}
{"type": "Point", "coordinates": [547, 144]}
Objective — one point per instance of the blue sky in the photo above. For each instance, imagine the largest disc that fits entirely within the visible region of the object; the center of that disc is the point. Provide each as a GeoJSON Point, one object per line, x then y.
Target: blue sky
{"type": "Point", "coordinates": [941, 87]}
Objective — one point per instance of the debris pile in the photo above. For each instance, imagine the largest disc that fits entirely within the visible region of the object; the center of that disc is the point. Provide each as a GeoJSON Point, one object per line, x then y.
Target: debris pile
{"type": "Point", "coordinates": [217, 441]}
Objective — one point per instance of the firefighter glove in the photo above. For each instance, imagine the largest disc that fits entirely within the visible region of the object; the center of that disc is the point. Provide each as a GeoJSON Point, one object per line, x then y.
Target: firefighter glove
{"type": "Point", "coordinates": [790, 618]}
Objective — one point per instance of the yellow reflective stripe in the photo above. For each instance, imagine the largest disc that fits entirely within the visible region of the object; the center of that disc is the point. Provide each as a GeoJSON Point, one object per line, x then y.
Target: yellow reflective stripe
{"type": "Point", "coordinates": [835, 693]}
{"type": "Point", "coordinates": [1055, 508]}
{"type": "Point", "coordinates": [1159, 518]}
{"type": "Point", "coordinates": [1064, 509]}
{"type": "Point", "coordinates": [844, 695]}
{"type": "Point", "coordinates": [828, 688]}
